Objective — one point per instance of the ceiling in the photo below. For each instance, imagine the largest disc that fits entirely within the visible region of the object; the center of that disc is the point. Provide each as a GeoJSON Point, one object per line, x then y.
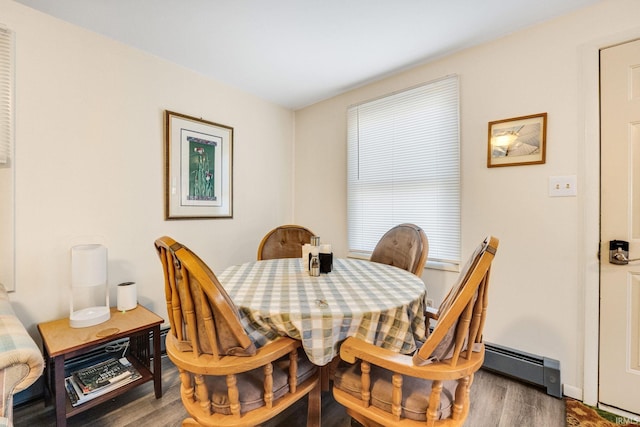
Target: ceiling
{"type": "Point", "coordinates": [297, 52]}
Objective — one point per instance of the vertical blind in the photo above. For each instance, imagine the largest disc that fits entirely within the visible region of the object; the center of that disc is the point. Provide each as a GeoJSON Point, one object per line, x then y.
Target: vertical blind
{"type": "Point", "coordinates": [404, 166]}
{"type": "Point", "coordinates": [6, 93]}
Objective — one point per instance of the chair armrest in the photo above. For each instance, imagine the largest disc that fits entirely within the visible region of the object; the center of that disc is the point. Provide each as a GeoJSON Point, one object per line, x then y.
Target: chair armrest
{"type": "Point", "coordinates": [207, 364]}
{"type": "Point", "coordinates": [431, 313]}
{"type": "Point", "coordinates": [20, 356]}
{"type": "Point", "coordinates": [355, 348]}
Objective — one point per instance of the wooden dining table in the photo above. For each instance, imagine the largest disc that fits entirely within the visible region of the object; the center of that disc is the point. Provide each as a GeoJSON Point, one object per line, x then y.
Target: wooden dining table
{"type": "Point", "coordinates": [381, 304]}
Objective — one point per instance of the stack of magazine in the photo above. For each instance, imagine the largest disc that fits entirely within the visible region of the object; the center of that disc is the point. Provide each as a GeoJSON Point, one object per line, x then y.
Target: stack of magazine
{"type": "Point", "coordinates": [99, 378]}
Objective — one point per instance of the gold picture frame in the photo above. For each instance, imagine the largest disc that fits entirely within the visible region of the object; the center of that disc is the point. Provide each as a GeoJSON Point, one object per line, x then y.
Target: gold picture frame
{"type": "Point", "coordinates": [517, 141]}
{"type": "Point", "coordinates": [198, 168]}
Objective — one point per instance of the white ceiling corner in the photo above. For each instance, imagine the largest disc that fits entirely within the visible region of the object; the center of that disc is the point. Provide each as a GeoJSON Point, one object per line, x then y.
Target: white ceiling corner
{"type": "Point", "coordinates": [297, 52]}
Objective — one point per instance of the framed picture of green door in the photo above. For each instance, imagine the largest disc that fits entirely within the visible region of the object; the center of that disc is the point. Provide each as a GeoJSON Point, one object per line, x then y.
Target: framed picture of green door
{"type": "Point", "coordinates": [198, 168]}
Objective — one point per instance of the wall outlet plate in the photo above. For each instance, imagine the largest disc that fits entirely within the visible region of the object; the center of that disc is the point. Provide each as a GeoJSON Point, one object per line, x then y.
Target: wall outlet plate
{"type": "Point", "coordinates": [563, 186]}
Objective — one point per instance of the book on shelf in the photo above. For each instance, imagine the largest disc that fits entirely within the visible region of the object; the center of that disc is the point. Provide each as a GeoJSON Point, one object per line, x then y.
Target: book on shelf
{"type": "Point", "coordinates": [102, 377]}
{"type": "Point", "coordinates": [102, 374]}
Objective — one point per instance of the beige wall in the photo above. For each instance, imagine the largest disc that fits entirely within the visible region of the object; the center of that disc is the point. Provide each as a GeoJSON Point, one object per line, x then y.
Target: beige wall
{"type": "Point", "coordinates": [537, 294]}
{"type": "Point", "coordinates": [90, 141]}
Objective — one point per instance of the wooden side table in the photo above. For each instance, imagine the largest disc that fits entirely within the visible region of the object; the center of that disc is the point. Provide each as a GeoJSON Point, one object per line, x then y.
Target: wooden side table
{"type": "Point", "coordinates": [62, 342]}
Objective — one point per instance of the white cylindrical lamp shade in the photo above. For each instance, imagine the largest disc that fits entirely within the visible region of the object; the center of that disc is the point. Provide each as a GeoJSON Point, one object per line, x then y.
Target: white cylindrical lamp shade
{"type": "Point", "coordinates": [89, 269]}
{"type": "Point", "coordinates": [88, 265]}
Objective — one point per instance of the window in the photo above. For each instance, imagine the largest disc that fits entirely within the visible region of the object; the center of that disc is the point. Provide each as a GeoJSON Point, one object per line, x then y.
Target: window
{"type": "Point", "coordinates": [404, 166]}
{"type": "Point", "coordinates": [6, 94]}
{"type": "Point", "coordinates": [7, 164]}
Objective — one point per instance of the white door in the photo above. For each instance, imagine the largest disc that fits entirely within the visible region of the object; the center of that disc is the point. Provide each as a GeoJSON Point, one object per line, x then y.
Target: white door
{"type": "Point", "coordinates": [619, 374]}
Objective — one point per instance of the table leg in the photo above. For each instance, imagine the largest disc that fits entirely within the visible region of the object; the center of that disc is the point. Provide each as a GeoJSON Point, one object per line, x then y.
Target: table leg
{"type": "Point", "coordinates": [324, 378]}
{"type": "Point", "coordinates": [47, 377]}
{"type": "Point", "coordinates": [59, 391]}
{"type": "Point", "coordinates": [157, 363]}
{"type": "Point", "coordinates": [327, 372]}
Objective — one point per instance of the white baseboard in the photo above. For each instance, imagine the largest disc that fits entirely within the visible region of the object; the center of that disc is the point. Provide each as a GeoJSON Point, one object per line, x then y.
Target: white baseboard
{"type": "Point", "coordinates": [625, 417]}
{"type": "Point", "coordinates": [572, 392]}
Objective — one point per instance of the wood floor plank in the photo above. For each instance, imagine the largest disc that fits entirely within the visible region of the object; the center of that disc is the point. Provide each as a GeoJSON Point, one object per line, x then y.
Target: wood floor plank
{"type": "Point", "coordinates": [525, 405]}
{"type": "Point", "coordinates": [496, 401]}
{"type": "Point", "coordinates": [487, 396]}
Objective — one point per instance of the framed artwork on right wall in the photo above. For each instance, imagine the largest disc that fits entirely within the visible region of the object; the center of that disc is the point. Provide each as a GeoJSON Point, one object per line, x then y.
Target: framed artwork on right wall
{"type": "Point", "coordinates": [517, 141]}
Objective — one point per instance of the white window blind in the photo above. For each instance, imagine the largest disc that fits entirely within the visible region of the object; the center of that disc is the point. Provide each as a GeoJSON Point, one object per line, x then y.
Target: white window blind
{"type": "Point", "coordinates": [6, 94]}
{"type": "Point", "coordinates": [404, 166]}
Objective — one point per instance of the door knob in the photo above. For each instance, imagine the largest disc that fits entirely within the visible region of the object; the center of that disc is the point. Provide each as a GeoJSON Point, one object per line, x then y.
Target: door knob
{"type": "Point", "coordinates": [619, 252]}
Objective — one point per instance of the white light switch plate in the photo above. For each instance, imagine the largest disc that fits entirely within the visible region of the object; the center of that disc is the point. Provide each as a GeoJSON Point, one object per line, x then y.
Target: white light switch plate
{"type": "Point", "coordinates": [563, 186]}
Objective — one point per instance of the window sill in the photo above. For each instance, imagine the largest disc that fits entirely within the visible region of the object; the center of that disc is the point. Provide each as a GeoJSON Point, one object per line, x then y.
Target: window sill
{"type": "Point", "coordinates": [431, 264]}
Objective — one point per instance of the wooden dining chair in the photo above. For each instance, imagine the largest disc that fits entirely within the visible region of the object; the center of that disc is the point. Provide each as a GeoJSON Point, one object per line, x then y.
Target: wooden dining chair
{"type": "Point", "coordinates": [225, 379]}
{"type": "Point", "coordinates": [284, 241]}
{"type": "Point", "coordinates": [430, 388]}
{"type": "Point", "coordinates": [404, 246]}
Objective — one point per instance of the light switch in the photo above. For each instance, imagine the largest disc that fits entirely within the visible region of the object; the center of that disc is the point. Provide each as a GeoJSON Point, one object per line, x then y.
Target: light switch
{"type": "Point", "coordinates": [563, 186]}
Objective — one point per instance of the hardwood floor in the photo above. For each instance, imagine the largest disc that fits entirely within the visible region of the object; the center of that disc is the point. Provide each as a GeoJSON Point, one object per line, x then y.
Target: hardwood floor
{"type": "Point", "coordinates": [495, 402]}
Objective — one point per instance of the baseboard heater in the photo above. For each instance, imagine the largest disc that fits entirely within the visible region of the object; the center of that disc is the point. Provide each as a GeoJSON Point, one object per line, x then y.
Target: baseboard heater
{"type": "Point", "coordinates": [537, 370]}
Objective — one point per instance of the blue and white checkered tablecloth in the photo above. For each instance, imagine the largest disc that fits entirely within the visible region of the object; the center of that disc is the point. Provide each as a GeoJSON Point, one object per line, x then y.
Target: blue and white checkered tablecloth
{"type": "Point", "coordinates": [378, 303]}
